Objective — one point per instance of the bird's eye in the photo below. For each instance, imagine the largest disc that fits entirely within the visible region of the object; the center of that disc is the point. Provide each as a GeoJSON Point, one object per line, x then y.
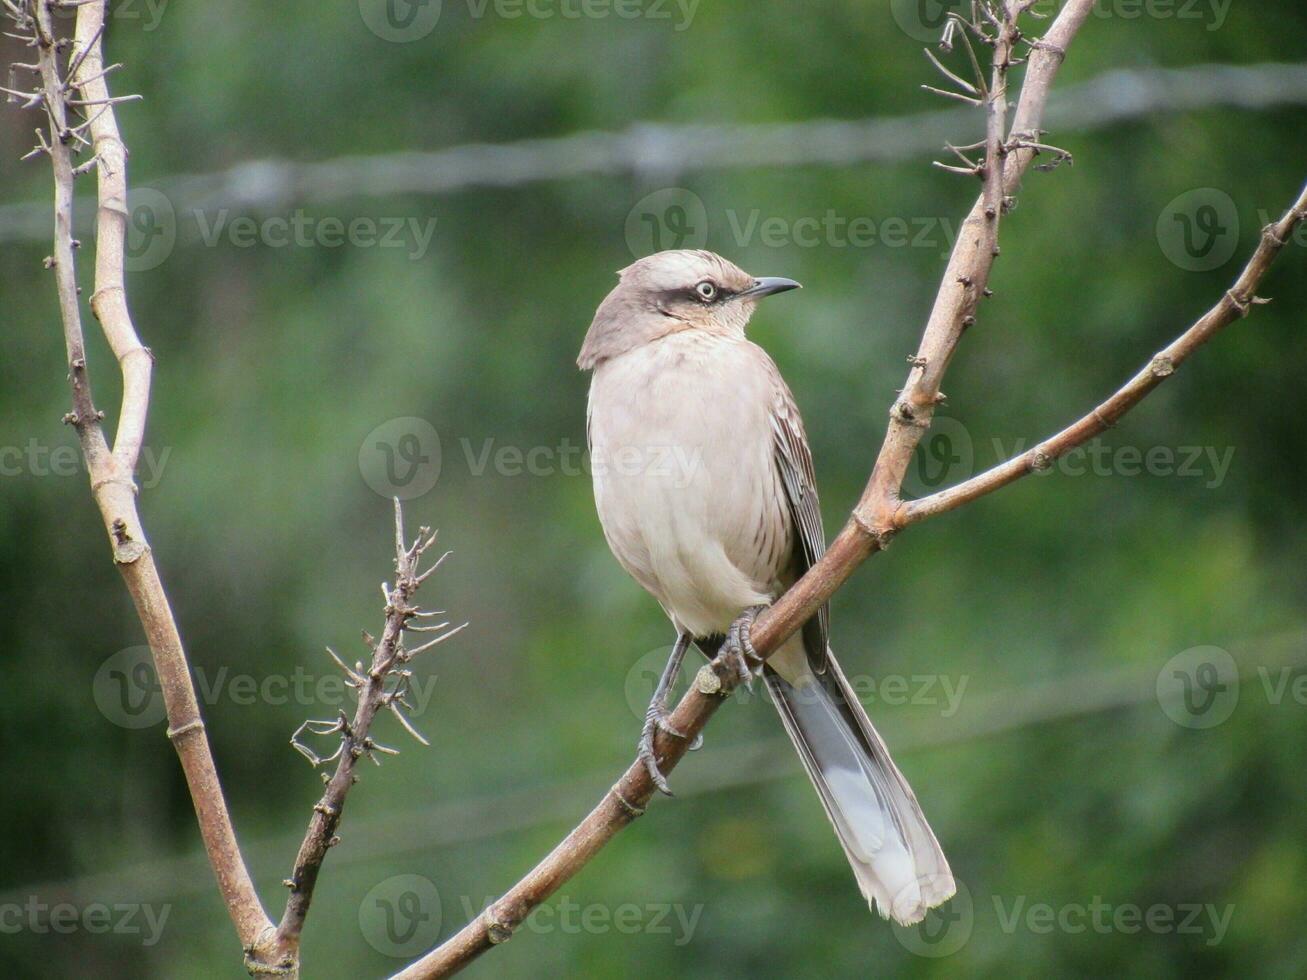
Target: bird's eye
{"type": "Point", "coordinates": [706, 290]}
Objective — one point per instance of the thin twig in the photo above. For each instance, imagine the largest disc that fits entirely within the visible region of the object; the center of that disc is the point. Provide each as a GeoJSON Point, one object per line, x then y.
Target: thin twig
{"type": "Point", "coordinates": [382, 684]}
{"type": "Point", "coordinates": [1237, 303]}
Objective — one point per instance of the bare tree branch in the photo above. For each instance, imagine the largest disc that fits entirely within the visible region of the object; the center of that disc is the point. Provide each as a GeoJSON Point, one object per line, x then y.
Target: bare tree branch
{"type": "Point", "coordinates": [111, 470]}
{"type": "Point", "coordinates": [869, 529]}
{"type": "Point", "coordinates": [879, 515]}
{"type": "Point", "coordinates": [1237, 303]}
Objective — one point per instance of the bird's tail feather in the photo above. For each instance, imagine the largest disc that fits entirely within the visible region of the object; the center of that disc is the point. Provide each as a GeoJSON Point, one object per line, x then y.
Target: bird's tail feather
{"type": "Point", "coordinates": [898, 863]}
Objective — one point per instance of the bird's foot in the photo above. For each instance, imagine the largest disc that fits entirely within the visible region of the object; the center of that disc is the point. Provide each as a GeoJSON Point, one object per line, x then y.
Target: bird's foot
{"type": "Point", "coordinates": [654, 719]}
{"type": "Point", "coordinates": [739, 651]}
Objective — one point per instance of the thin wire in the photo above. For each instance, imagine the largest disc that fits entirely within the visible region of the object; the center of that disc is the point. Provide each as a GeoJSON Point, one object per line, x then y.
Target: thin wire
{"type": "Point", "coordinates": [734, 767]}
{"type": "Point", "coordinates": [655, 152]}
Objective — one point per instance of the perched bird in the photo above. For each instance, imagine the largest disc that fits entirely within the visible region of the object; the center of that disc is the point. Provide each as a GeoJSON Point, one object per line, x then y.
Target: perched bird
{"type": "Point", "coordinates": [704, 485]}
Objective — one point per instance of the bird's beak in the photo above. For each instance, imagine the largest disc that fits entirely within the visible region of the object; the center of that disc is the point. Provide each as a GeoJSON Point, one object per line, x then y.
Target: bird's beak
{"type": "Point", "coordinates": [768, 285]}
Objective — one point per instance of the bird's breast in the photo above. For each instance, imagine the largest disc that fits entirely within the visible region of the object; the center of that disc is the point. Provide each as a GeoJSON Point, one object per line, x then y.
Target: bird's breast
{"type": "Point", "coordinates": [684, 475]}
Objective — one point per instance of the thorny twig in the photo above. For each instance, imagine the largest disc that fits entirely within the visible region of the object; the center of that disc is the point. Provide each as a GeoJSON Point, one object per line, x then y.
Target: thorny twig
{"type": "Point", "coordinates": [381, 684]}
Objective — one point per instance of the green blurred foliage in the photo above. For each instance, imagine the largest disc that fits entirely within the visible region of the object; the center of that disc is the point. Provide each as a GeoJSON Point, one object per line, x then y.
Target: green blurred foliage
{"type": "Point", "coordinates": [275, 363]}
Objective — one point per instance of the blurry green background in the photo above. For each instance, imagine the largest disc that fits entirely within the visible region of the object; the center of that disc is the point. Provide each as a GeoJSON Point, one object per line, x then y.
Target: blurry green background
{"type": "Point", "coordinates": [1058, 780]}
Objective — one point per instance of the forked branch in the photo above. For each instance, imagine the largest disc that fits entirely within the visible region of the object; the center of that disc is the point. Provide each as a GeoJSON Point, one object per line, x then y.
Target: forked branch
{"type": "Point", "coordinates": [872, 524]}
{"type": "Point", "coordinates": [69, 74]}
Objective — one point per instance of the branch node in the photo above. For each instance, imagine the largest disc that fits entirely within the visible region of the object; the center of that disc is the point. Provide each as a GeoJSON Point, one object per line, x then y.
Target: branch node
{"type": "Point", "coordinates": [195, 725]}
{"type": "Point", "coordinates": [1162, 366]}
{"type": "Point", "coordinates": [632, 810]}
{"type": "Point", "coordinates": [707, 681]}
{"type": "Point", "coordinates": [497, 932]}
{"type": "Point", "coordinates": [1040, 461]}
{"type": "Point", "coordinates": [1242, 305]}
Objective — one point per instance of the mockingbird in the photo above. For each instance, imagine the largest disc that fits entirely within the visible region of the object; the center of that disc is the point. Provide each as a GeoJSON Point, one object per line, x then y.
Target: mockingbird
{"type": "Point", "coordinates": [704, 484]}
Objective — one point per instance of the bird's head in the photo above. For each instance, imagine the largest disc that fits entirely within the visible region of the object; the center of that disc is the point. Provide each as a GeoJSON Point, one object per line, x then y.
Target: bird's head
{"type": "Point", "coordinates": [668, 292]}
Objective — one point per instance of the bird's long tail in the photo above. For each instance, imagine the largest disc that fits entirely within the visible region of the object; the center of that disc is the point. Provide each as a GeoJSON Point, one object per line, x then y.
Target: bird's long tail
{"type": "Point", "coordinates": [898, 863]}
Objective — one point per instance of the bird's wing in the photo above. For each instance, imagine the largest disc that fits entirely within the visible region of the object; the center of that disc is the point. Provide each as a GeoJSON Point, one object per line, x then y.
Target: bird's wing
{"type": "Point", "coordinates": [794, 462]}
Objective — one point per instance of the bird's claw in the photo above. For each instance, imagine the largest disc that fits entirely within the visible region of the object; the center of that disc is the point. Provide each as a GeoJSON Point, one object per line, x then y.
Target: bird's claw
{"type": "Point", "coordinates": [739, 651]}
{"type": "Point", "coordinates": [654, 719]}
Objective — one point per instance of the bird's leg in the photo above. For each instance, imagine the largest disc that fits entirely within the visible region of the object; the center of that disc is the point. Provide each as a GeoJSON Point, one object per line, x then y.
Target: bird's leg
{"type": "Point", "coordinates": [657, 715]}
{"type": "Point", "coordinates": [739, 651]}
